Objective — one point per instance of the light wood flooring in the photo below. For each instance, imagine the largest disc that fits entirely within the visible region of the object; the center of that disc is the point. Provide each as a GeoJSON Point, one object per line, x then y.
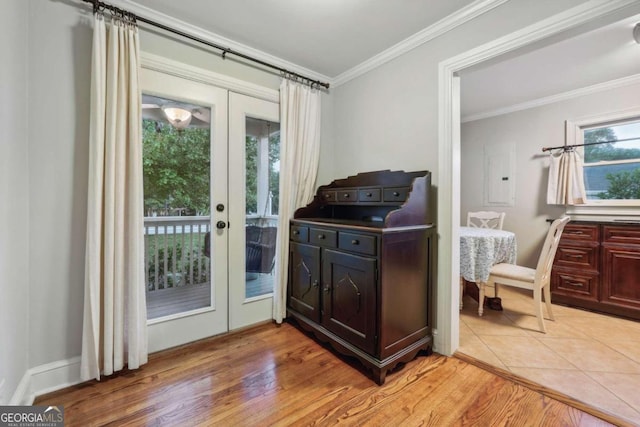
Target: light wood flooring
{"type": "Point", "coordinates": [278, 376]}
{"type": "Point", "coordinates": [594, 358]}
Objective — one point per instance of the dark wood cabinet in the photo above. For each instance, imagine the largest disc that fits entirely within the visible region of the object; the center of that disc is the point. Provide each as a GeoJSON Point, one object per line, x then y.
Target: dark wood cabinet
{"type": "Point", "coordinates": [361, 267]}
{"type": "Point", "coordinates": [597, 267]}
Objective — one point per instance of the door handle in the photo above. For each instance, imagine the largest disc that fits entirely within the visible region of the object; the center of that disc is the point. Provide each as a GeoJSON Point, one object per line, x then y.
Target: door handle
{"type": "Point", "coordinates": [220, 225]}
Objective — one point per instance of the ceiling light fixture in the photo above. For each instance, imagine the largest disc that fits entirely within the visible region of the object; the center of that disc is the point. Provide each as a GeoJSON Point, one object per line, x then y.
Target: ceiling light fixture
{"type": "Point", "coordinates": [636, 33]}
{"type": "Point", "coordinates": [178, 117]}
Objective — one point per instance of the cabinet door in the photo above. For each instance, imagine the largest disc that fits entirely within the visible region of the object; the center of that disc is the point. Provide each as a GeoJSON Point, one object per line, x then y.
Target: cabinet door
{"type": "Point", "coordinates": [349, 297]}
{"type": "Point", "coordinates": [621, 276]}
{"type": "Point", "coordinates": [304, 280]}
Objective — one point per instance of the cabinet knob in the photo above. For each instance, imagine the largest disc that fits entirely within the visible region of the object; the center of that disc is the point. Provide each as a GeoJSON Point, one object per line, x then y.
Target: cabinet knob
{"type": "Point", "coordinates": [326, 196]}
{"type": "Point", "coordinates": [369, 194]}
{"type": "Point", "coordinates": [355, 242]}
{"type": "Point", "coordinates": [327, 289]}
{"type": "Point", "coordinates": [396, 194]}
{"type": "Point", "coordinates": [346, 195]}
{"type": "Point", "coordinates": [296, 232]}
{"type": "Point", "coordinates": [321, 236]}
{"type": "Point", "coordinates": [315, 283]}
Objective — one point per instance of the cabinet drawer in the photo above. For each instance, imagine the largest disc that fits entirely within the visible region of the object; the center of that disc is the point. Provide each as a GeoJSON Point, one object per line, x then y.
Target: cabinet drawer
{"type": "Point", "coordinates": [347, 196]}
{"type": "Point", "coordinates": [584, 286]}
{"type": "Point", "coordinates": [299, 234]}
{"type": "Point", "coordinates": [328, 196]}
{"type": "Point", "coordinates": [369, 195]}
{"type": "Point", "coordinates": [577, 256]}
{"type": "Point", "coordinates": [628, 235]}
{"type": "Point", "coordinates": [360, 243]}
{"type": "Point", "coordinates": [395, 194]}
{"type": "Point", "coordinates": [581, 232]}
{"type": "Point", "coordinates": [323, 237]}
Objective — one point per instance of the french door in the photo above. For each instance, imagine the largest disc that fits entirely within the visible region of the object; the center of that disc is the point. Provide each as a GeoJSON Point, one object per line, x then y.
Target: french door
{"type": "Point", "coordinates": [254, 152]}
{"type": "Point", "coordinates": [204, 148]}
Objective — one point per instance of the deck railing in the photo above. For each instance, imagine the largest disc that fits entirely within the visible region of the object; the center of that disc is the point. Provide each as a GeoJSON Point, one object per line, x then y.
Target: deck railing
{"type": "Point", "coordinates": [174, 251]}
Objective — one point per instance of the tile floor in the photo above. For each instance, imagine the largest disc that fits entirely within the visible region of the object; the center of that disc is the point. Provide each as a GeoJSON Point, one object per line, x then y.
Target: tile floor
{"type": "Point", "coordinates": [591, 357]}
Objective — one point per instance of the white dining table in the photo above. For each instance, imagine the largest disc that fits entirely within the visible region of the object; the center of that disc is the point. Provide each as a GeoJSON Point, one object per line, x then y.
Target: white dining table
{"type": "Point", "coordinates": [480, 249]}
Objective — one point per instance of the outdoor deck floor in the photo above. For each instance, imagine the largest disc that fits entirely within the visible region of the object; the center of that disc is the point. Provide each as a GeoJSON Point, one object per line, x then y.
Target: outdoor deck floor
{"type": "Point", "coordinates": [165, 302]}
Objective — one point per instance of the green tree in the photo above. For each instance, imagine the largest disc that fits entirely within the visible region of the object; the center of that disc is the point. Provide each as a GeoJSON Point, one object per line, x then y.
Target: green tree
{"type": "Point", "coordinates": [251, 167]}
{"type": "Point", "coordinates": [594, 153]}
{"type": "Point", "coordinates": [176, 165]}
{"type": "Point", "coordinates": [605, 151]}
{"type": "Point", "coordinates": [251, 164]}
{"type": "Point", "coordinates": [623, 185]}
{"type": "Point", "coordinates": [274, 172]}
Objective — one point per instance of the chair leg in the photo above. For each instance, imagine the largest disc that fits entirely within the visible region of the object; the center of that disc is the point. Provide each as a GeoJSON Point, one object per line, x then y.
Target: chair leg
{"type": "Point", "coordinates": [537, 301]}
{"type": "Point", "coordinates": [480, 298]}
{"type": "Point", "coordinates": [461, 291]}
{"type": "Point", "coordinates": [495, 290]}
{"type": "Point", "coordinates": [547, 301]}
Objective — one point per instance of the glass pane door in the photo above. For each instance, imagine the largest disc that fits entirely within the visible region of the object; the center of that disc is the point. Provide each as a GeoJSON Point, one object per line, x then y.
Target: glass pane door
{"type": "Point", "coordinates": [176, 168]}
{"type": "Point", "coordinates": [185, 163]}
{"type": "Point", "coordinates": [254, 150]}
{"type": "Point", "coordinates": [262, 160]}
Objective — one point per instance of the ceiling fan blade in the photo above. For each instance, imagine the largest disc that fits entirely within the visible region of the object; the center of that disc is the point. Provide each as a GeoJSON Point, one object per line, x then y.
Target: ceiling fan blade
{"type": "Point", "coordinates": [147, 106]}
{"type": "Point", "coordinates": [202, 114]}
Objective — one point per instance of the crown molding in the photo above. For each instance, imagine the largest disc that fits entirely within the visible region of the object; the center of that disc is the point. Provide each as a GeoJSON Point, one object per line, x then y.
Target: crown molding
{"type": "Point", "coordinates": [441, 27]}
{"type": "Point", "coordinates": [211, 37]}
{"type": "Point", "coordinates": [600, 87]}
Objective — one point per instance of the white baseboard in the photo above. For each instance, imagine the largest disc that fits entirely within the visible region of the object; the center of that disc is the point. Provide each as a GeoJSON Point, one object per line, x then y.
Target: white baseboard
{"type": "Point", "coordinates": [45, 379]}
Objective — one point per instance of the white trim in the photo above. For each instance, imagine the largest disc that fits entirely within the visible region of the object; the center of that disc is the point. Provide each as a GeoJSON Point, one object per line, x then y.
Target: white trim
{"type": "Point", "coordinates": [441, 27]}
{"type": "Point", "coordinates": [449, 148]}
{"type": "Point", "coordinates": [217, 39]}
{"type": "Point", "coordinates": [588, 90]}
{"type": "Point", "coordinates": [179, 69]}
{"type": "Point", "coordinates": [45, 379]}
{"type": "Point", "coordinates": [21, 394]}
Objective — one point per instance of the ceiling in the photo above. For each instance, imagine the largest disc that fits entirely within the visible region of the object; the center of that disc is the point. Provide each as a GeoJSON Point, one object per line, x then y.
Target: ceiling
{"type": "Point", "coordinates": [577, 61]}
{"type": "Point", "coordinates": [326, 36]}
{"type": "Point", "coordinates": [331, 37]}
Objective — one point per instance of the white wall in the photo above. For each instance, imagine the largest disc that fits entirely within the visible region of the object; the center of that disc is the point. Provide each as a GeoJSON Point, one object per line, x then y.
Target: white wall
{"type": "Point", "coordinates": [530, 130]}
{"type": "Point", "coordinates": [14, 189]}
{"type": "Point", "coordinates": [387, 118]}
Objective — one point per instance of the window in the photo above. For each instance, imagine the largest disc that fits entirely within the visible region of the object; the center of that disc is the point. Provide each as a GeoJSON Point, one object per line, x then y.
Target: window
{"type": "Point", "coordinates": [263, 168]}
{"type": "Point", "coordinates": [611, 157]}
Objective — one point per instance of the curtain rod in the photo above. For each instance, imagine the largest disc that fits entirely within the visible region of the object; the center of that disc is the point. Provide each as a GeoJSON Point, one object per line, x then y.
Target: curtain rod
{"type": "Point", "coordinates": [98, 5]}
{"type": "Point", "coordinates": [566, 147]}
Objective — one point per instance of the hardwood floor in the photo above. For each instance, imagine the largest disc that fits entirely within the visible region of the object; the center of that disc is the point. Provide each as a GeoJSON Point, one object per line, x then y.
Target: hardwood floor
{"type": "Point", "coordinates": [277, 375]}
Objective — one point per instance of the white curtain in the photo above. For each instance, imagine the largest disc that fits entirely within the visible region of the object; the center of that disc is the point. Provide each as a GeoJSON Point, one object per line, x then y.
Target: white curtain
{"type": "Point", "coordinates": [566, 179]}
{"type": "Point", "coordinates": [114, 329]}
{"type": "Point", "coordinates": [299, 157]}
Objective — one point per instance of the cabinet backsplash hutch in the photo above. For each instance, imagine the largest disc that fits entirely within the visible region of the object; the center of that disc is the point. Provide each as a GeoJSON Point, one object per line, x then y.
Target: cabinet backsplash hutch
{"type": "Point", "coordinates": [362, 267]}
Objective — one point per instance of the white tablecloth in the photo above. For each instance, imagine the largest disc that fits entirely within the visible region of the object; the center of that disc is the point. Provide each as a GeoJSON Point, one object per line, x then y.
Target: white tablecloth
{"type": "Point", "coordinates": [481, 248]}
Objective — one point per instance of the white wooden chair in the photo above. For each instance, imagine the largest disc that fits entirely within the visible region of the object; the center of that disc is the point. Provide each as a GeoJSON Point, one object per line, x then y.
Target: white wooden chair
{"type": "Point", "coordinates": [485, 219]}
{"type": "Point", "coordinates": [538, 279]}
{"type": "Point", "coordinates": [482, 219]}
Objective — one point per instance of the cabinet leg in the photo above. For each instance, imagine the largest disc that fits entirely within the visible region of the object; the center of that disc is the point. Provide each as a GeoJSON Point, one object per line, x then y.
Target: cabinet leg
{"type": "Point", "coordinates": [380, 376]}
